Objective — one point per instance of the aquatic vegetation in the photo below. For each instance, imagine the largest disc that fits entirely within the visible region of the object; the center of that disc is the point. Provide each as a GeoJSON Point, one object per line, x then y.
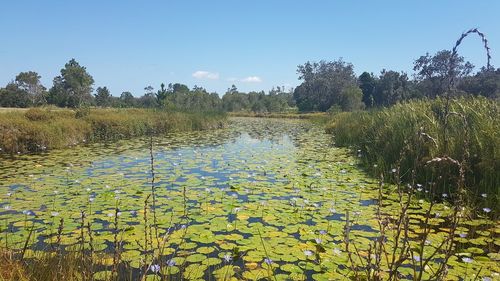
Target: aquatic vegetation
{"type": "Point", "coordinates": [261, 199]}
{"type": "Point", "coordinates": [472, 135]}
{"type": "Point", "coordinates": [38, 130]}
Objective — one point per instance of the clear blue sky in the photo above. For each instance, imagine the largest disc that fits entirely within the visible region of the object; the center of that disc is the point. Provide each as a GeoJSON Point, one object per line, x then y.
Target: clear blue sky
{"type": "Point", "coordinates": [127, 45]}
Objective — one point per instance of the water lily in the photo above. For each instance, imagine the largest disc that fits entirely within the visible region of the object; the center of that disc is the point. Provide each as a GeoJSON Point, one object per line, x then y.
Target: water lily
{"type": "Point", "coordinates": [171, 263]}
{"type": "Point", "coordinates": [467, 260]}
{"type": "Point", "coordinates": [268, 261]}
{"type": "Point", "coordinates": [462, 235]}
{"type": "Point", "coordinates": [318, 240]}
{"type": "Point", "coordinates": [322, 232]}
{"type": "Point", "coordinates": [227, 257]}
{"type": "Point", "coordinates": [308, 253]}
{"type": "Point", "coordinates": [54, 214]}
{"type": "Point", "coordinates": [154, 268]}
{"type": "Point", "coordinates": [337, 251]}
{"type": "Point", "coordinates": [416, 258]}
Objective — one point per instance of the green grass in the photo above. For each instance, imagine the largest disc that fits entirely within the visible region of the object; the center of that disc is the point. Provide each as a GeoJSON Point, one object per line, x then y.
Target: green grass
{"type": "Point", "coordinates": [40, 129]}
{"type": "Point", "coordinates": [410, 134]}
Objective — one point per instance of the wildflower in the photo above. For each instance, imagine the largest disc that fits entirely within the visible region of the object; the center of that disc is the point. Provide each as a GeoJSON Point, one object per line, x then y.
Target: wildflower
{"type": "Point", "coordinates": [308, 253]}
{"type": "Point", "coordinates": [107, 186]}
{"type": "Point", "coordinates": [183, 226]}
{"type": "Point", "coordinates": [486, 210]}
{"type": "Point", "coordinates": [9, 194]}
{"type": "Point", "coordinates": [462, 235]}
{"type": "Point", "coordinates": [332, 210]}
{"type": "Point", "coordinates": [343, 171]}
{"type": "Point", "coordinates": [56, 191]}
{"type": "Point", "coordinates": [393, 170]}
{"type": "Point", "coordinates": [337, 251]}
{"type": "Point", "coordinates": [54, 214]}
{"type": "Point", "coordinates": [110, 215]}
{"type": "Point", "coordinates": [322, 232]}
{"type": "Point", "coordinates": [154, 268]}
{"type": "Point", "coordinates": [467, 260]}
{"type": "Point", "coordinates": [227, 257]}
{"type": "Point", "coordinates": [171, 263]}
{"type": "Point", "coordinates": [91, 199]}
{"type": "Point", "coordinates": [487, 278]}
{"type": "Point", "coordinates": [268, 261]}
{"type": "Point", "coordinates": [318, 240]}
{"type": "Point", "coordinates": [236, 210]}
{"type": "Point", "coordinates": [484, 195]}
{"type": "Point", "coordinates": [445, 195]}
{"type": "Point", "coordinates": [88, 189]}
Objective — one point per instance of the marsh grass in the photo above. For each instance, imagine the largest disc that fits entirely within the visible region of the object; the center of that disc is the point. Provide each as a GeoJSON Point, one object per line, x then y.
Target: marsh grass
{"type": "Point", "coordinates": [40, 129]}
{"type": "Point", "coordinates": [379, 136]}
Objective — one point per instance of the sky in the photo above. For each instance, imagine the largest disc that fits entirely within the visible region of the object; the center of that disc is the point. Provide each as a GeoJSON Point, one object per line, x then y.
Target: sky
{"type": "Point", "coordinates": [127, 45]}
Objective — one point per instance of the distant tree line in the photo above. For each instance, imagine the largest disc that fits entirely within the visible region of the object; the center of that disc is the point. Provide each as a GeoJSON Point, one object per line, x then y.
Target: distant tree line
{"type": "Point", "coordinates": [326, 86]}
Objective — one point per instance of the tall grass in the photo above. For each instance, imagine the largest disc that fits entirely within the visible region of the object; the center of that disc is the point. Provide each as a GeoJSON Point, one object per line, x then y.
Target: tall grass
{"type": "Point", "coordinates": [415, 129]}
{"type": "Point", "coordinates": [41, 129]}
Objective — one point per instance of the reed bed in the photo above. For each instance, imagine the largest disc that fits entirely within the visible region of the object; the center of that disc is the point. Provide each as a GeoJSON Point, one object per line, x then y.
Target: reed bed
{"type": "Point", "coordinates": [40, 129]}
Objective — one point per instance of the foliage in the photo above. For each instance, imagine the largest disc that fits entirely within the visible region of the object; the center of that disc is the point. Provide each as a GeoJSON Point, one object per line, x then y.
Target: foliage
{"type": "Point", "coordinates": [102, 97]}
{"type": "Point", "coordinates": [380, 135]}
{"type": "Point", "coordinates": [42, 129]}
{"type": "Point", "coordinates": [73, 87]}
{"type": "Point", "coordinates": [258, 102]}
{"type": "Point", "coordinates": [323, 85]}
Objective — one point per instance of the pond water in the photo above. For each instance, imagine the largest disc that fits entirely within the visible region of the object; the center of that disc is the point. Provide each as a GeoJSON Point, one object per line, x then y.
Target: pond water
{"type": "Point", "coordinates": [225, 203]}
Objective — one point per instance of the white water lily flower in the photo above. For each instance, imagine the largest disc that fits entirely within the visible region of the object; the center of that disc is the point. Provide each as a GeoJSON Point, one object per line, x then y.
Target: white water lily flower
{"type": "Point", "coordinates": [467, 260]}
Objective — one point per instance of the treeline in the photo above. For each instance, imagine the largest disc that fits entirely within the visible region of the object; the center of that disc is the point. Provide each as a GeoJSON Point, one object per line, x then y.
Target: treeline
{"type": "Point", "coordinates": [334, 86]}
{"type": "Point", "coordinates": [326, 86]}
{"type": "Point", "coordinates": [73, 88]}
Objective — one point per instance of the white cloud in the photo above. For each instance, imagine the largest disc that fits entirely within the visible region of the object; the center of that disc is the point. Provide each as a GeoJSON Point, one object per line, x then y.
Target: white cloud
{"type": "Point", "coordinates": [252, 79]}
{"type": "Point", "coordinates": [232, 79]}
{"type": "Point", "coordinates": [201, 74]}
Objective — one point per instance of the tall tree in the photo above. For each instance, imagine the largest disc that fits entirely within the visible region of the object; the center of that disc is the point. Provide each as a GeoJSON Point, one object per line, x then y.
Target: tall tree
{"type": "Point", "coordinates": [434, 71]}
{"type": "Point", "coordinates": [102, 97]}
{"type": "Point", "coordinates": [30, 83]}
{"type": "Point", "coordinates": [367, 83]}
{"type": "Point", "coordinates": [73, 87]}
{"type": "Point", "coordinates": [323, 84]}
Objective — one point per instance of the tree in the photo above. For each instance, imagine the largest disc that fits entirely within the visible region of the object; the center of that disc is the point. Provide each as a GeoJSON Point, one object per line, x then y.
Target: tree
{"type": "Point", "coordinates": [433, 72]}
{"type": "Point", "coordinates": [352, 99]}
{"type": "Point", "coordinates": [484, 83]}
{"type": "Point", "coordinates": [103, 97]}
{"type": "Point", "coordinates": [30, 83]}
{"type": "Point", "coordinates": [161, 95]}
{"type": "Point", "coordinates": [323, 84]}
{"type": "Point", "coordinates": [127, 100]}
{"type": "Point", "coordinates": [367, 82]}
{"type": "Point", "coordinates": [73, 87]}
{"type": "Point", "coordinates": [13, 96]}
